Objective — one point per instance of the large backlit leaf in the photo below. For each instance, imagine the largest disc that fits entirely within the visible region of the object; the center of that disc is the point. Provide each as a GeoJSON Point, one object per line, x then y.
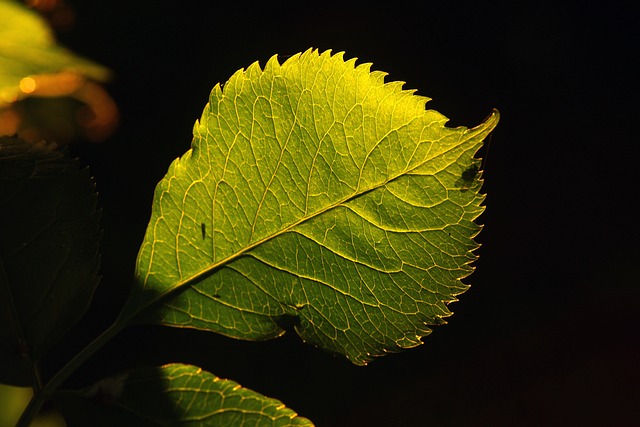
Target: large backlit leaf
{"type": "Point", "coordinates": [174, 395]}
{"type": "Point", "coordinates": [49, 235]}
{"type": "Point", "coordinates": [314, 195]}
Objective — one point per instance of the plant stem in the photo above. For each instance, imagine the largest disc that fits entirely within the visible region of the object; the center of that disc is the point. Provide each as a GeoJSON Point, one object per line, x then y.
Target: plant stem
{"type": "Point", "coordinates": [49, 389]}
{"type": "Point", "coordinates": [39, 398]}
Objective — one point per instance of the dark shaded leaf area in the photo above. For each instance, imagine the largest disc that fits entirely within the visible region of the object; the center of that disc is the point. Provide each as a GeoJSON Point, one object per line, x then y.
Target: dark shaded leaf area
{"type": "Point", "coordinates": [49, 236]}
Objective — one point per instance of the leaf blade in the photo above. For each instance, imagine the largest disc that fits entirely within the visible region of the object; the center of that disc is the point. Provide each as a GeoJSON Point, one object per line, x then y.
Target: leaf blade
{"type": "Point", "coordinates": [313, 162]}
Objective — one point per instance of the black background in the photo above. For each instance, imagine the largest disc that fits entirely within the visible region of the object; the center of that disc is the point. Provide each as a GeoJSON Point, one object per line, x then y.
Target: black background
{"type": "Point", "coordinates": [547, 334]}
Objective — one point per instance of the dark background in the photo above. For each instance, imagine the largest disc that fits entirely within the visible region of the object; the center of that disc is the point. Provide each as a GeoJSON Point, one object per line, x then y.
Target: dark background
{"type": "Point", "coordinates": [547, 334]}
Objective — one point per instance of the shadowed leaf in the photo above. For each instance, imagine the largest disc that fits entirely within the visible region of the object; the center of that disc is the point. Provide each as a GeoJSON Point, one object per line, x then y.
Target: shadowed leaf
{"type": "Point", "coordinates": [173, 395]}
{"type": "Point", "coordinates": [49, 235]}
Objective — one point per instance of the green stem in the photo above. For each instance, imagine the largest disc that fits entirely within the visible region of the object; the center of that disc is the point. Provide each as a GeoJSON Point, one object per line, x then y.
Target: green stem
{"type": "Point", "coordinates": [39, 398]}
{"type": "Point", "coordinates": [123, 319]}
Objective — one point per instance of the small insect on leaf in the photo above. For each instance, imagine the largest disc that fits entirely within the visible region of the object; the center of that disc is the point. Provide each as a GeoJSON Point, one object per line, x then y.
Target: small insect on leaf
{"type": "Point", "coordinates": [468, 177]}
{"type": "Point", "coordinates": [203, 228]}
{"type": "Point", "coordinates": [470, 173]}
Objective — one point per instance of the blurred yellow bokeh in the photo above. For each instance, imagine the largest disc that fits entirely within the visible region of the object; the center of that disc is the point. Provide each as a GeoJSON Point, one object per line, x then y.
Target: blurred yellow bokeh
{"type": "Point", "coordinates": [46, 91]}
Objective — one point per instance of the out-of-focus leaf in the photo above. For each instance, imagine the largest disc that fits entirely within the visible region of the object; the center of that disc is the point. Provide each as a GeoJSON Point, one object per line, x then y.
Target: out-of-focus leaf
{"type": "Point", "coordinates": [29, 54]}
{"type": "Point", "coordinates": [315, 194]}
{"type": "Point", "coordinates": [68, 103]}
{"type": "Point", "coordinates": [49, 236]}
{"type": "Point", "coordinates": [173, 395]}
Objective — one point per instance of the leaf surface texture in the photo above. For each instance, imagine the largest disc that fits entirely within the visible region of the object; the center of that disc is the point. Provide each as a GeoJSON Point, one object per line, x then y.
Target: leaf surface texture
{"type": "Point", "coordinates": [319, 196]}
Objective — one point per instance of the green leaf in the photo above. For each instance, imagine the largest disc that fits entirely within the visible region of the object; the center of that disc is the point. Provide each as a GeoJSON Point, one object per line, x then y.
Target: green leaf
{"type": "Point", "coordinates": [28, 48]}
{"type": "Point", "coordinates": [172, 395]}
{"type": "Point", "coordinates": [316, 195]}
{"type": "Point", "coordinates": [49, 235]}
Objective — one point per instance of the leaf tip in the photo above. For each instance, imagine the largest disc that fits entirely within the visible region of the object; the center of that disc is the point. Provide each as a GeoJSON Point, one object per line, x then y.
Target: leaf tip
{"type": "Point", "coordinates": [491, 121]}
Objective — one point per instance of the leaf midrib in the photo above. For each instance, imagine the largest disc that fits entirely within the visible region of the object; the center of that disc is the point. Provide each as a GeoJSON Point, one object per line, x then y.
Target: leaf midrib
{"type": "Point", "coordinates": [183, 284]}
